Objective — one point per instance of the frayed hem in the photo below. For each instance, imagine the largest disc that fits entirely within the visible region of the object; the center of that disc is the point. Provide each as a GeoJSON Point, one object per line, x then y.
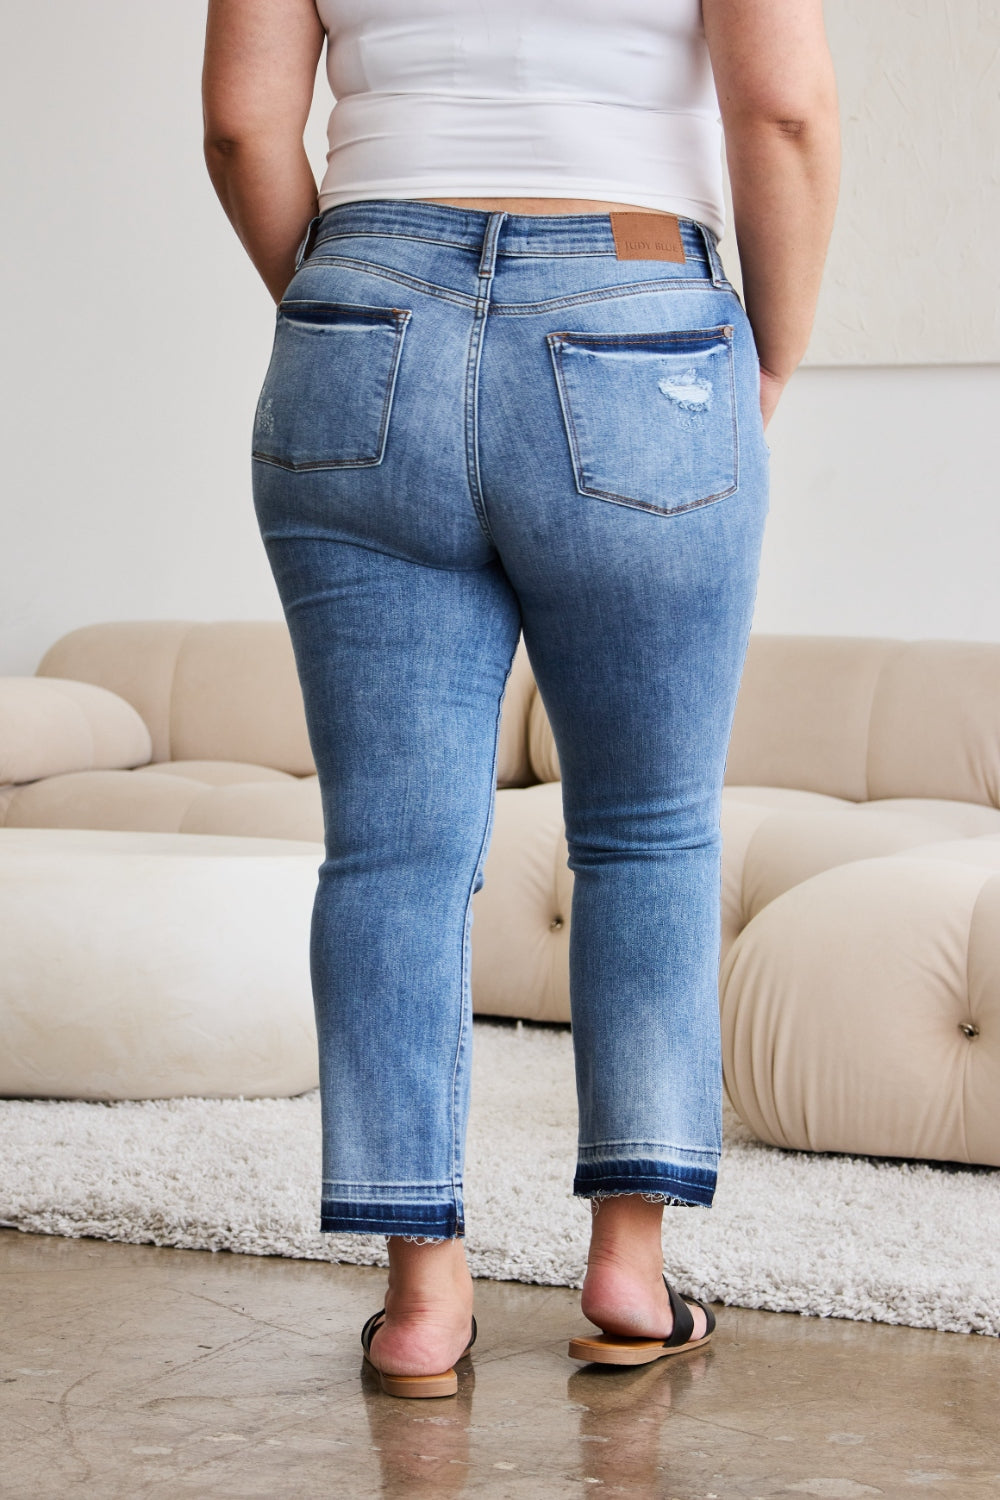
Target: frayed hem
{"type": "Point", "coordinates": [425, 1239]}
{"type": "Point", "coordinates": [681, 1185]}
{"type": "Point", "coordinates": [666, 1199]}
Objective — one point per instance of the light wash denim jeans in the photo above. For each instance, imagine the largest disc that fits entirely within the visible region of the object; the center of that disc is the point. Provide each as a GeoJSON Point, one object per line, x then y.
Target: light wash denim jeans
{"type": "Point", "coordinates": [472, 424]}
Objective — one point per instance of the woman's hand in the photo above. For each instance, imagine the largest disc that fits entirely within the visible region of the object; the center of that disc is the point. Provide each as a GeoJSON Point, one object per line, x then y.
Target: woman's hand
{"type": "Point", "coordinates": [771, 387]}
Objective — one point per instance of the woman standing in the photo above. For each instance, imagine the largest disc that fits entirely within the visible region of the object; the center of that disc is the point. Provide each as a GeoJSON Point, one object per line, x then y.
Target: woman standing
{"type": "Point", "coordinates": [512, 389]}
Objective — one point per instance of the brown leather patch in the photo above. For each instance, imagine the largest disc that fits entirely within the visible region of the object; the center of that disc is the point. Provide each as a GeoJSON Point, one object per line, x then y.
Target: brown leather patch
{"type": "Point", "coordinates": [647, 237]}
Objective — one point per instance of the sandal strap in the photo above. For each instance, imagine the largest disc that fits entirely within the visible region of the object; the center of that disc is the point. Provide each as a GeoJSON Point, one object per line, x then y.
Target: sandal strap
{"type": "Point", "coordinates": [683, 1321]}
{"type": "Point", "coordinates": [370, 1329]}
{"type": "Point", "coordinates": [684, 1315]}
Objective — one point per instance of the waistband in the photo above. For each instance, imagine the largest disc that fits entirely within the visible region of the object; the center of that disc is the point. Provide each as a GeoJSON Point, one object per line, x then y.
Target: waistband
{"type": "Point", "coordinates": [505, 234]}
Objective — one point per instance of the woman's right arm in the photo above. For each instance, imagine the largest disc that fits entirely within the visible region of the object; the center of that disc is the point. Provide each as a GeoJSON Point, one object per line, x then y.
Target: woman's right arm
{"type": "Point", "coordinates": [778, 100]}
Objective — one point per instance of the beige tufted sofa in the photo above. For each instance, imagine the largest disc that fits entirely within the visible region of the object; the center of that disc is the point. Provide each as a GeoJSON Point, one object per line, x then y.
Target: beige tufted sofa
{"type": "Point", "coordinates": [860, 979]}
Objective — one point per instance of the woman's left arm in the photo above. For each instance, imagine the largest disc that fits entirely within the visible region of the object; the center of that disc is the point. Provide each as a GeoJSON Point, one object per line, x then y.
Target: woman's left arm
{"type": "Point", "coordinates": [257, 87]}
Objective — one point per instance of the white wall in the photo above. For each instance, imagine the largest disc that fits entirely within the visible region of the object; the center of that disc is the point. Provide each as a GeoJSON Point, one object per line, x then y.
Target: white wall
{"type": "Point", "coordinates": [885, 504]}
{"type": "Point", "coordinates": [915, 243]}
{"type": "Point", "coordinates": [136, 335]}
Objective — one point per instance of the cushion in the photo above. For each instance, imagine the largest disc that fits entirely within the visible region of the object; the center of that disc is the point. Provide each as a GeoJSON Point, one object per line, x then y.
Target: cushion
{"type": "Point", "coordinates": [164, 802]}
{"type": "Point", "coordinates": [870, 718]}
{"type": "Point", "coordinates": [521, 917]}
{"type": "Point", "coordinates": [803, 712]}
{"type": "Point", "coordinates": [861, 1008]}
{"type": "Point", "coordinates": [216, 772]}
{"type": "Point", "coordinates": [51, 725]}
{"type": "Point", "coordinates": [789, 847]}
{"type": "Point", "coordinates": [148, 965]}
{"type": "Point", "coordinates": [220, 690]}
{"type": "Point", "coordinates": [134, 658]}
{"type": "Point", "coordinates": [935, 729]}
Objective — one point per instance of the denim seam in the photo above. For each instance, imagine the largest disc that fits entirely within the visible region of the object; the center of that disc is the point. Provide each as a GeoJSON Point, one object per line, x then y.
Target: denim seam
{"type": "Point", "coordinates": [302, 252]}
{"type": "Point", "coordinates": [605, 294]}
{"type": "Point", "coordinates": [614, 340]}
{"type": "Point", "coordinates": [520, 309]}
{"type": "Point", "coordinates": [315, 465]}
{"type": "Point", "coordinates": [471, 414]}
{"type": "Point", "coordinates": [414, 1183]}
{"type": "Point", "coordinates": [473, 247]}
{"type": "Point", "coordinates": [369, 1221]}
{"type": "Point", "coordinates": [638, 1148]}
{"type": "Point", "coordinates": [367, 1218]}
{"type": "Point", "coordinates": [388, 273]}
{"type": "Point", "coordinates": [472, 465]}
{"type": "Point", "coordinates": [460, 1042]}
{"type": "Point", "coordinates": [719, 277]}
{"type": "Point", "coordinates": [557, 255]}
{"type": "Point", "coordinates": [464, 1023]}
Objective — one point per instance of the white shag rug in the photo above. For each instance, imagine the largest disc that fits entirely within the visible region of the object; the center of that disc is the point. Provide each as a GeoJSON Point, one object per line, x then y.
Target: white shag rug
{"type": "Point", "coordinates": [830, 1236]}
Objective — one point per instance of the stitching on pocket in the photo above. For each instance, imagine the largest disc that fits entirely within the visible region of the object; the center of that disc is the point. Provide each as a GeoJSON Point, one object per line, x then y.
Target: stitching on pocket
{"type": "Point", "coordinates": [326, 319]}
{"type": "Point", "coordinates": [670, 343]}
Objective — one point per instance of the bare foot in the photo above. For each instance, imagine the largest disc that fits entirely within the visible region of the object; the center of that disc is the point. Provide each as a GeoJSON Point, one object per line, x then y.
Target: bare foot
{"type": "Point", "coordinates": [623, 1291]}
{"type": "Point", "coordinates": [428, 1309]}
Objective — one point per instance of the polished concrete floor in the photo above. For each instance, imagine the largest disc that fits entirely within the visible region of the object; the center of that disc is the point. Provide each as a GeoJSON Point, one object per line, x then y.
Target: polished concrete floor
{"type": "Point", "coordinates": [129, 1371]}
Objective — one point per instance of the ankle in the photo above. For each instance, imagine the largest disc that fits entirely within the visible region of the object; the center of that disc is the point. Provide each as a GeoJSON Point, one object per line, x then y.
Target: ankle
{"type": "Point", "coordinates": [424, 1277]}
{"type": "Point", "coordinates": [626, 1236]}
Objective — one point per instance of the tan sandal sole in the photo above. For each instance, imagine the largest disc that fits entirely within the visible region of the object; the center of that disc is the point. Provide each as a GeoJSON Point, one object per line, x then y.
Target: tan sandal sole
{"type": "Point", "coordinates": [417, 1387]}
{"type": "Point", "coordinates": [412, 1387]}
{"type": "Point", "coordinates": [602, 1349]}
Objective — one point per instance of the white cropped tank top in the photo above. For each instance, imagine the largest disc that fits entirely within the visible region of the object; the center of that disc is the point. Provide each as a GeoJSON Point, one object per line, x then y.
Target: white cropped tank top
{"type": "Point", "coordinates": [606, 99]}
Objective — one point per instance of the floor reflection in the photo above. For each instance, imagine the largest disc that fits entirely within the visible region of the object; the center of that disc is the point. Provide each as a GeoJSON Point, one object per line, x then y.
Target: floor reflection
{"type": "Point", "coordinates": [622, 1413]}
{"type": "Point", "coordinates": [422, 1446]}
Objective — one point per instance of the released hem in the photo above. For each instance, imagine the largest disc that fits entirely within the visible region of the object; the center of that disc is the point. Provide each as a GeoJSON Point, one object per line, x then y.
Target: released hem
{"type": "Point", "coordinates": [423, 1221]}
{"type": "Point", "coordinates": [666, 1182]}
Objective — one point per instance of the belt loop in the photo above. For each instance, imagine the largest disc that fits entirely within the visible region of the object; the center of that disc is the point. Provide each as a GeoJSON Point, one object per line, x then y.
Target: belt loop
{"type": "Point", "coordinates": [488, 259]}
{"type": "Point", "coordinates": [304, 247]}
{"type": "Point", "coordinates": [719, 277]}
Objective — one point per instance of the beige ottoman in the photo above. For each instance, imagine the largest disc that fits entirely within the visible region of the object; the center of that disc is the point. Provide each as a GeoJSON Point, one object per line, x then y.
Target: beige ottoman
{"type": "Point", "coordinates": [861, 1008]}
{"type": "Point", "coordinates": [153, 965]}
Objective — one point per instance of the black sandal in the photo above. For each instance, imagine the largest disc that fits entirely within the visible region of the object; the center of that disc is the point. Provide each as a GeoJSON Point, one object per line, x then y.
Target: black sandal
{"type": "Point", "coordinates": [445, 1384]}
{"type": "Point", "coordinates": [612, 1349]}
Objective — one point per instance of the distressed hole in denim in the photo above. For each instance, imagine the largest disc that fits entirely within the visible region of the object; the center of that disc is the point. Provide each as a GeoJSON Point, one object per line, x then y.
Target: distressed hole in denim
{"type": "Point", "coordinates": [688, 391]}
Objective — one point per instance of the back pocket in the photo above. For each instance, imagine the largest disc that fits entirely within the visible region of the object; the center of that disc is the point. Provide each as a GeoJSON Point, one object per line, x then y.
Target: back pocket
{"type": "Point", "coordinates": [328, 390]}
{"type": "Point", "coordinates": [650, 417]}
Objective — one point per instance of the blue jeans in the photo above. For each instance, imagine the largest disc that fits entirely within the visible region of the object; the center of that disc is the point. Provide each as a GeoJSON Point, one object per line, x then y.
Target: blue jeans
{"type": "Point", "coordinates": [475, 424]}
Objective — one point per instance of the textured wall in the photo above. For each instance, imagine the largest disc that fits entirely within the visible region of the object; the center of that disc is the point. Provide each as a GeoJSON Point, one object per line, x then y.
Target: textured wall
{"type": "Point", "coordinates": [912, 275]}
